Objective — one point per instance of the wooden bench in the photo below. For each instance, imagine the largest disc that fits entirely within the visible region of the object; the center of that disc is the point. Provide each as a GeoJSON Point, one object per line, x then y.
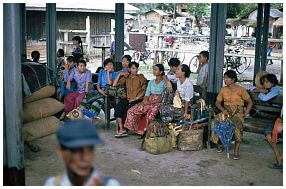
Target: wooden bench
{"type": "Point", "coordinates": [271, 109]}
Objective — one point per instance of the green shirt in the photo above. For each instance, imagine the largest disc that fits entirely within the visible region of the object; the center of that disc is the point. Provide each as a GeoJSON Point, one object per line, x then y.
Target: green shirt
{"type": "Point", "coordinates": [154, 88]}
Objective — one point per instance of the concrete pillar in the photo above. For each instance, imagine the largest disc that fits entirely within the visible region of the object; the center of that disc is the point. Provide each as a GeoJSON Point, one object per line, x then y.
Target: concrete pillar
{"type": "Point", "coordinates": [216, 47]}
{"type": "Point", "coordinates": [119, 34]}
{"type": "Point", "coordinates": [14, 173]}
{"type": "Point", "coordinates": [257, 64]}
{"type": "Point", "coordinates": [51, 33]}
{"type": "Point", "coordinates": [23, 28]}
{"type": "Point", "coordinates": [265, 33]}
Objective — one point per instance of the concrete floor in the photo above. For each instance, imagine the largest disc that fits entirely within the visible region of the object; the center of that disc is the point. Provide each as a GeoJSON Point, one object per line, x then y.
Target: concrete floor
{"type": "Point", "coordinates": [121, 158]}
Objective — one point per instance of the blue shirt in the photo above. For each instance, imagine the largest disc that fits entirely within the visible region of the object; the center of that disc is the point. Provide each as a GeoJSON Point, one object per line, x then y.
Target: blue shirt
{"type": "Point", "coordinates": [274, 91]}
{"type": "Point", "coordinates": [103, 79]}
{"type": "Point", "coordinates": [64, 181]}
{"type": "Point", "coordinates": [70, 71]}
{"type": "Point", "coordinates": [154, 88]}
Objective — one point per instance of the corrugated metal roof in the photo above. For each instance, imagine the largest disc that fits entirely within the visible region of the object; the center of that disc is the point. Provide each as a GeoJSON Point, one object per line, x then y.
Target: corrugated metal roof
{"type": "Point", "coordinates": [83, 7]}
{"type": "Point", "coordinates": [274, 13]}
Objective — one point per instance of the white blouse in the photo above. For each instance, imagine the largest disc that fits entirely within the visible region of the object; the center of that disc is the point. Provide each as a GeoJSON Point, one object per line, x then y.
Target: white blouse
{"type": "Point", "coordinates": [185, 89]}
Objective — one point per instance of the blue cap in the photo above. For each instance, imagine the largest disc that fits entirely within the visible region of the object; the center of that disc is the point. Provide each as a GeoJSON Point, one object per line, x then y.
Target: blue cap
{"type": "Point", "coordinates": [78, 133]}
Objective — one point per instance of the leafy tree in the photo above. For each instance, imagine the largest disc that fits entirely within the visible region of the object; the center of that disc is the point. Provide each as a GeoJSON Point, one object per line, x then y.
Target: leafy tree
{"type": "Point", "coordinates": [199, 10]}
{"type": "Point", "coordinates": [242, 10]}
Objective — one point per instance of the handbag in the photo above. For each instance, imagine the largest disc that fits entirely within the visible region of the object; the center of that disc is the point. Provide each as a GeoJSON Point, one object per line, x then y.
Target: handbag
{"type": "Point", "coordinates": [157, 139]}
{"type": "Point", "coordinates": [158, 145]}
{"type": "Point", "coordinates": [190, 140]}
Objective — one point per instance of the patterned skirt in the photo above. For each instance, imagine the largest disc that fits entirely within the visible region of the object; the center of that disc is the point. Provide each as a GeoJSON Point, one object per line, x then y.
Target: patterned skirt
{"type": "Point", "coordinates": [140, 115]}
{"type": "Point", "coordinates": [235, 117]}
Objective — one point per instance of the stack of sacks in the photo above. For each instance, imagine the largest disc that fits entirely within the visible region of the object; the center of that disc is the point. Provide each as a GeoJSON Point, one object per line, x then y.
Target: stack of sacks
{"type": "Point", "coordinates": [38, 111]}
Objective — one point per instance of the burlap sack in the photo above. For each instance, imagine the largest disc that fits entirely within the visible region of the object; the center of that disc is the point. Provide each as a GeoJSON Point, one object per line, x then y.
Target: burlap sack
{"type": "Point", "coordinates": [44, 92]}
{"type": "Point", "coordinates": [40, 128]}
{"type": "Point", "coordinates": [40, 109]}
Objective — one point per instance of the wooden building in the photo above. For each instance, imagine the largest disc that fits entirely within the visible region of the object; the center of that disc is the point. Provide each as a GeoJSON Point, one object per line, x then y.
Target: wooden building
{"type": "Point", "coordinates": [71, 16]}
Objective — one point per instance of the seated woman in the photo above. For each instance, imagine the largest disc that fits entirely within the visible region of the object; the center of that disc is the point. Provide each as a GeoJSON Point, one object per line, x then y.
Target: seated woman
{"type": "Point", "coordinates": [269, 88]}
{"type": "Point", "coordinates": [125, 61]}
{"type": "Point", "coordinates": [95, 100]}
{"type": "Point", "coordinates": [82, 76]}
{"type": "Point", "coordinates": [139, 115]}
{"type": "Point", "coordinates": [185, 89]}
{"type": "Point", "coordinates": [136, 88]}
{"type": "Point", "coordinates": [122, 75]}
{"type": "Point", "coordinates": [233, 97]}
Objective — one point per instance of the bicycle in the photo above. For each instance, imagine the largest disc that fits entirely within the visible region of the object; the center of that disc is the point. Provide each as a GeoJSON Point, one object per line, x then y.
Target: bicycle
{"type": "Point", "coordinates": [169, 54]}
{"type": "Point", "coordinates": [240, 64]}
{"type": "Point", "coordinates": [194, 64]}
{"type": "Point", "coordinates": [142, 56]}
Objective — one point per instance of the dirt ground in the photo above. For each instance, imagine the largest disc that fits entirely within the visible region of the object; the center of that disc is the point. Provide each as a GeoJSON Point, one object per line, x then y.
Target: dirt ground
{"type": "Point", "coordinates": [122, 158]}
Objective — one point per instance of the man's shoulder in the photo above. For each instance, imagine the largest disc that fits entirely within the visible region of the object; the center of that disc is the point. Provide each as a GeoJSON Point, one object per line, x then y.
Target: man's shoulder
{"type": "Point", "coordinates": [189, 82]}
{"type": "Point", "coordinates": [50, 181]}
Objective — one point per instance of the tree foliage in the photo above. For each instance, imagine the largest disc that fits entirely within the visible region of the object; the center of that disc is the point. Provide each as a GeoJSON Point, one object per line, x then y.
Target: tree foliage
{"type": "Point", "coordinates": [199, 10]}
{"type": "Point", "coordinates": [145, 7]}
{"type": "Point", "coordinates": [242, 10]}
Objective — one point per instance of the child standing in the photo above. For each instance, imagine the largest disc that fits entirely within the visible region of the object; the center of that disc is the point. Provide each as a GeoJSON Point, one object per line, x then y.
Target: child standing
{"type": "Point", "coordinates": [203, 72]}
{"type": "Point", "coordinates": [78, 50]}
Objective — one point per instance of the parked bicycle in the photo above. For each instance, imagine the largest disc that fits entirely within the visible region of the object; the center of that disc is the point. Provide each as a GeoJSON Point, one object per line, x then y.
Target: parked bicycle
{"type": "Point", "coordinates": [240, 64]}
{"type": "Point", "coordinates": [144, 56]}
{"type": "Point", "coordinates": [194, 64]}
{"type": "Point", "coordinates": [167, 55]}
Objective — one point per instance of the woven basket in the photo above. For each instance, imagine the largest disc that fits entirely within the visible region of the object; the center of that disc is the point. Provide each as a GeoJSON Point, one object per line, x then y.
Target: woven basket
{"type": "Point", "coordinates": [190, 140]}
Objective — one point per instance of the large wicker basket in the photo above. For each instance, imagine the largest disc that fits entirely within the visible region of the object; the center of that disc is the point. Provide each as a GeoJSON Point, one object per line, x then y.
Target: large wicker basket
{"type": "Point", "coordinates": [190, 140]}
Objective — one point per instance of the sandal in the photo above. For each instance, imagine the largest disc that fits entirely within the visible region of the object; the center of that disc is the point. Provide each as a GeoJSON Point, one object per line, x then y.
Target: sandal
{"type": "Point", "coordinates": [276, 166]}
{"type": "Point", "coordinates": [118, 135]}
{"type": "Point", "coordinates": [219, 149]}
{"type": "Point", "coordinates": [235, 157]}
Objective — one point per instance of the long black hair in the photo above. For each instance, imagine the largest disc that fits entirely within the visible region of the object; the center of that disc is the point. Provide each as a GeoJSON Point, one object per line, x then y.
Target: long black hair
{"type": "Point", "coordinates": [161, 68]}
{"type": "Point", "coordinates": [78, 56]}
{"type": "Point", "coordinates": [78, 38]}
